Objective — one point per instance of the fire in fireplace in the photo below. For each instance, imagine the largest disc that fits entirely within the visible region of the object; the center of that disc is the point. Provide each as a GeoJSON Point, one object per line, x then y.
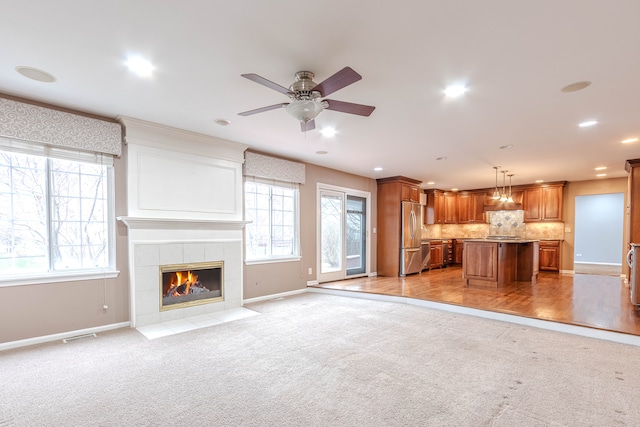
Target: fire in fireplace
{"type": "Point", "coordinates": [184, 285]}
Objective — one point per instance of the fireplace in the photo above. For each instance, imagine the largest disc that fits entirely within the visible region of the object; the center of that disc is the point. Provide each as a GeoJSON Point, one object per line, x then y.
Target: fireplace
{"type": "Point", "coordinates": [165, 232]}
{"type": "Point", "coordinates": [185, 285]}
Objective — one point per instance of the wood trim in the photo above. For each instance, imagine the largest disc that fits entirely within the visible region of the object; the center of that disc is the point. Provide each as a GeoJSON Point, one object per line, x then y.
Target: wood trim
{"type": "Point", "coordinates": [398, 179]}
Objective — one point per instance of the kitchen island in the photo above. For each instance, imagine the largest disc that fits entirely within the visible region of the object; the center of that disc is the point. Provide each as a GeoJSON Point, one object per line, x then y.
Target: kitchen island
{"type": "Point", "coordinates": [499, 262]}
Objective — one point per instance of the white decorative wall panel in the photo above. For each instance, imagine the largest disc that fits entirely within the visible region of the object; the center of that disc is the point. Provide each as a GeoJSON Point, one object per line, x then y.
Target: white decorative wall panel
{"type": "Point", "coordinates": [33, 123]}
{"type": "Point", "coordinates": [179, 175]}
{"type": "Point", "coordinates": [186, 185]}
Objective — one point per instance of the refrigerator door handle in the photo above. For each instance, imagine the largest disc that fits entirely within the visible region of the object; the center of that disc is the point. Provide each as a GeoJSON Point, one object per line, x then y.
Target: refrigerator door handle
{"type": "Point", "coordinates": [412, 229]}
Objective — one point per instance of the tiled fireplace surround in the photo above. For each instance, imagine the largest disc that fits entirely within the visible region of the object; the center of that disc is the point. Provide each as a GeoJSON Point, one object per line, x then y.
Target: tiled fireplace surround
{"type": "Point", "coordinates": [184, 205]}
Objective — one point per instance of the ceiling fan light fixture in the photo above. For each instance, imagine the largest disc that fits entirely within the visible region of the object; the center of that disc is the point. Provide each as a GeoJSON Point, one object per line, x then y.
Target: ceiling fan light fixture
{"type": "Point", "coordinates": [304, 110]}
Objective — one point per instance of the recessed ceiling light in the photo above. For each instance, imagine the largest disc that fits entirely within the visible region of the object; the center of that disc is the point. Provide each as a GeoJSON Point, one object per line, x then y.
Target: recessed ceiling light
{"type": "Point", "coordinates": [222, 122]}
{"type": "Point", "coordinates": [140, 66]}
{"type": "Point", "coordinates": [629, 141]}
{"type": "Point", "coordinates": [506, 147]}
{"type": "Point", "coordinates": [600, 175]}
{"type": "Point", "coordinates": [321, 152]}
{"type": "Point", "coordinates": [431, 183]}
{"type": "Point", "coordinates": [454, 189]}
{"type": "Point", "coordinates": [588, 123]}
{"type": "Point", "coordinates": [377, 169]}
{"type": "Point", "coordinates": [574, 87]}
{"type": "Point", "coordinates": [441, 158]}
{"type": "Point", "coordinates": [454, 91]}
{"type": "Point", "coordinates": [600, 168]}
{"type": "Point", "coordinates": [538, 181]}
{"type": "Point", "coordinates": [328, 132]}
{"type": "Point", "coordinates": [35, 74]}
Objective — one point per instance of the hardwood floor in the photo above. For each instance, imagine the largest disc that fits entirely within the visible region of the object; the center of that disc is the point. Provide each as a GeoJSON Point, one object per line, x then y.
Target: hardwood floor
{"type": "Point", "coordinates": [600, 302]}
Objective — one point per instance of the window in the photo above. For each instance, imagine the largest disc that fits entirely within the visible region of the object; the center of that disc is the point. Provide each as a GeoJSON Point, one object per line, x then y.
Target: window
{"type": "Point", "coordinates": [55, 213]}
{"type": "Point", "coordinates": [273, 211]}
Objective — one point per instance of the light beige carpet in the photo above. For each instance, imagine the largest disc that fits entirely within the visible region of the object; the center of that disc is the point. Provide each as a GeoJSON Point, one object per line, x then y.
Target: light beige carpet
{"type": "Point", "coordinates": [323, 360]}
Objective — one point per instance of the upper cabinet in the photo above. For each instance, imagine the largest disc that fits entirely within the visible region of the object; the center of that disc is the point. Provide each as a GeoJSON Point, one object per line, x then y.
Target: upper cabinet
{"type": "Point", "coordinates": [410, 192]}
{"type": "Point", "coordinates": [540, 203]}
{"type": "Point", "coordinates": [543, 203]}
{"type": "Point", "coordinates": [471, 207]}
{"type": "Point", "coordinates": [434, 209]}
{"type": "Point", "coordinates": [450, 207]}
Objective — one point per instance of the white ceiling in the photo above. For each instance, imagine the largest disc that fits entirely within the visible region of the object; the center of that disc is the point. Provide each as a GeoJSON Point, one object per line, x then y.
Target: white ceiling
{"type": "Point", "coordinates": [515, 56]}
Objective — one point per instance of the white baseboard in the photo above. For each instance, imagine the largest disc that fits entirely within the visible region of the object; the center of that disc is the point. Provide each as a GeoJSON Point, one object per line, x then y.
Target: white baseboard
{"type": "Point", "coordinates": [312, 283]}
{"type": "Point", "coordinates": [61, 336]}
{"type": "Point", "coordinates": [274, 296]}
{"type": "Point", "coordinates": [615, 264]}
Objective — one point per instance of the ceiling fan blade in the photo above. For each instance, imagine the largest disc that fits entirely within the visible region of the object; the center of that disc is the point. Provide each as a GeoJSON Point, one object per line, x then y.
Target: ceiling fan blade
{"type": "Point", "coordinates": [341, 79]}
{"type": "Point", "coordinates": [263, 109]}
{"type": "Point", "coordinates": [348, 107]}
{"type": "Point", "coordinates": [305, 126]}
{"type": "Point", "coordinates": [268, 83]}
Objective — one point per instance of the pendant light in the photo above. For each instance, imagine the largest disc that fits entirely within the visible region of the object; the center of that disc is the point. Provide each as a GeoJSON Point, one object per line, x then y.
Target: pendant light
{"type": "Point", "coordinates": [503, 197]}
{"type": "Point", "coordinates": [510, 199]}
{"type": "Point", "coordinates": [496, 193]}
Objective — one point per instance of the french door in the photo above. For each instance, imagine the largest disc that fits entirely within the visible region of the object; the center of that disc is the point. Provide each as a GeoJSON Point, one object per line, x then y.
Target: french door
{"type": "Point", "coordinates": [342, 232]}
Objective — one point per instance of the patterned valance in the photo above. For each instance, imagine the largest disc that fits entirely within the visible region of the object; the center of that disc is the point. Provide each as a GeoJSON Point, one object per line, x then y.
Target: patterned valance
{"type": "Point", "coordinates": [261, 166]}
{"type": "Point", "coordinates": [33, 123]}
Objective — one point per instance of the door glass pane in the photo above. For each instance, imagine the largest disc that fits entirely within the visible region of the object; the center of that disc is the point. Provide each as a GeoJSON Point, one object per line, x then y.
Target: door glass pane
{"type": "Point", "coordinates": [331, 232]}
{"type": "Point", "coordinates": [356, 235]}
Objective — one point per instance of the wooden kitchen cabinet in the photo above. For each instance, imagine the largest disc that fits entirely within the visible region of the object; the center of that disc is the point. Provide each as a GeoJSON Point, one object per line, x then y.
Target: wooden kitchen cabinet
{"type": "Point", "coordinates": [471, 207]}
{"type": "Point", "coordinates": [464, 207]}
{"type": "Point", "coordinates": [435, 207]}
{"type": "Point", "coordinates": [391, 192]}
{"type": "Point", "coordinates": [410, 192]}
{"type": "Point", "coordinates": [458, 250]}
{"type": "Point", "coordinates": [499, 263]}
{"type": "Point", "coordinates": [450, 207]}
{"type": "Point", "coordinates": [436, 254]}
{"type": "Point", "coordinates": [549, 258]}
{"type": "Point", "coordinates": [480, 262]}
{"type": "Point", "coordinates": [543, 203]}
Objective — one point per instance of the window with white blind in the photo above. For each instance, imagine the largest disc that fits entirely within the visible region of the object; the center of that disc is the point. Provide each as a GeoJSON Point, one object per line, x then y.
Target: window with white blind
{"type": "Point", "coordinates": [273, 209]}
{"type": "Point", "coordinates": [56, 211]}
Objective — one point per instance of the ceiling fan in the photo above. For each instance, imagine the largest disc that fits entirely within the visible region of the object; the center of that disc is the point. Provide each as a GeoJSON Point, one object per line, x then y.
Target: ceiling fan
{"type": "Point", "coordinates": [305, 96]}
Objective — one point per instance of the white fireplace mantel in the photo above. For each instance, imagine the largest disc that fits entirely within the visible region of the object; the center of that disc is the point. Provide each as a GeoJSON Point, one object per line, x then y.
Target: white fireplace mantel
{"type": "Point", "coordinates": [134, 223]}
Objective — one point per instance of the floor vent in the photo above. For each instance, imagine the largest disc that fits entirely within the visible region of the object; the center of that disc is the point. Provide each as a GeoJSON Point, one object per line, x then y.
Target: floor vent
{"type": "Point", "coordinates": [78, 337]}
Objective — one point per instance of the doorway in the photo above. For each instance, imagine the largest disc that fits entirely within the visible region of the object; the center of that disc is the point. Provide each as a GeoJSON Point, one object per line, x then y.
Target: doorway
{"type": "Point", "coordinates": [342, 233]}
{"type": "Point", "coordinates": [599, 227]}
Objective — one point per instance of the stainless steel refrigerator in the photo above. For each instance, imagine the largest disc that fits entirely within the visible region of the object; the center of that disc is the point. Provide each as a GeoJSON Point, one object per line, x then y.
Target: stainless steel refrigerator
{"type": "Point", "coordinates": [632, 261]}
{"type": "Point", "coordinates": [410, 248]}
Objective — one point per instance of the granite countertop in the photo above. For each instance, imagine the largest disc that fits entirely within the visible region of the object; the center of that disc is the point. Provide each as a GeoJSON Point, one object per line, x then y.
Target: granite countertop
{"type": "Point", "coordinates": [504, 240]}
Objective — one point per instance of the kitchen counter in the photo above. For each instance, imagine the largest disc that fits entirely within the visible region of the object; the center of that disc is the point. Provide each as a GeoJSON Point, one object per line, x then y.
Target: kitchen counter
{"type": "Point", "coordinates": [499, 262]}
{"type": "Point", "coordinates": [502, 240]}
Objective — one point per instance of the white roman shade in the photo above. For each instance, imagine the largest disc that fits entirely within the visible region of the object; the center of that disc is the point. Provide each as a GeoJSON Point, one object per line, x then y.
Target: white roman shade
{"type": "Point", "coordinates": [33, 123]}
{"type": "Point", "coordinates": [272, 168]}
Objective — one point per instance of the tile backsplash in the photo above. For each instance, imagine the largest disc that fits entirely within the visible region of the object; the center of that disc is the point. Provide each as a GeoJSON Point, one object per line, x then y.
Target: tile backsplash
{"type": "Point", "coordinates": [507, 223]}
{"type": "Point", "coordinates": [534, 230]}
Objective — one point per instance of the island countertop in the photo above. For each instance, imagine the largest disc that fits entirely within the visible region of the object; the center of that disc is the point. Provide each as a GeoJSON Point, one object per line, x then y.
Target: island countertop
{"type": "Point", "coordinates": [488, 239]}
